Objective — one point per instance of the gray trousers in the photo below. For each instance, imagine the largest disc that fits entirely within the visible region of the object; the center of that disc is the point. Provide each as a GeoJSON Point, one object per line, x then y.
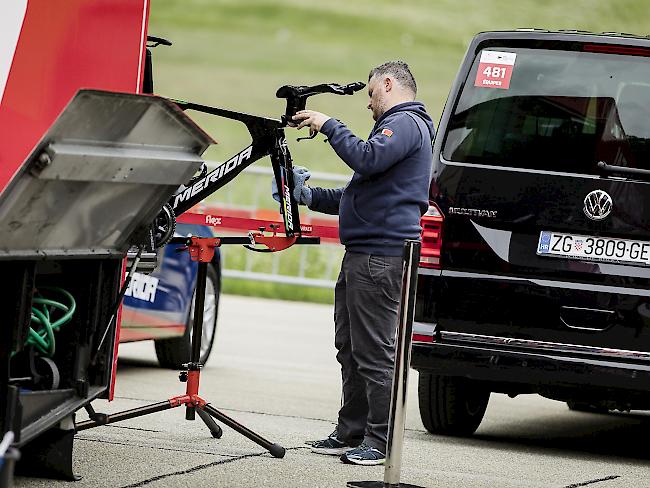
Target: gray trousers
{"type": "Point", "coordinates": [366, 305]}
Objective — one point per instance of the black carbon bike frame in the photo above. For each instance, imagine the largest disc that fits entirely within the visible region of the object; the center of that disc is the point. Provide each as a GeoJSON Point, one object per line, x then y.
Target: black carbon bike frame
{"type": "Point", "coordinates": [268, 139]}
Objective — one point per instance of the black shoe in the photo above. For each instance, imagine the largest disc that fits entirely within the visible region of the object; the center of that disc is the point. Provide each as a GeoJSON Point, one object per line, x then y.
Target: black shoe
{"type": "Point", "coordinates": [364, 455]}
{"type": "Point", "coordinates": [331, 446]}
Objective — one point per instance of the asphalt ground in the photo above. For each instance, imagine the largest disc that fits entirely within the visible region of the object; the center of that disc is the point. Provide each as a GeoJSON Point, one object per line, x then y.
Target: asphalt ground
{"type": "Point", "coordinates": [273, 370]}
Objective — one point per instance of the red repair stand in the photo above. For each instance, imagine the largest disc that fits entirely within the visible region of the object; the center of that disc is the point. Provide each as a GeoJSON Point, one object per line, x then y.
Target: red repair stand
{"type": "Point", "coordinates": [202, 250]}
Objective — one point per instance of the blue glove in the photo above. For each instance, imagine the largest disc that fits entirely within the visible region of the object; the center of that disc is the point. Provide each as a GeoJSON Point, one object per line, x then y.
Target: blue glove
{"type": "Point", "coordinates": [274, 190]}
{"type": "Point", "coordinates": [301, 192]}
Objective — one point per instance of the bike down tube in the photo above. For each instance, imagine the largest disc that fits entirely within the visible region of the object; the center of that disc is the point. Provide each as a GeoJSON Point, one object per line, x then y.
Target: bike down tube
{"type": "Point", "coordinates": [223, 174]}
{"type": "Point", "coordinates": [268, 140]}
{"type": "Point", "coordinates": [283, 172]}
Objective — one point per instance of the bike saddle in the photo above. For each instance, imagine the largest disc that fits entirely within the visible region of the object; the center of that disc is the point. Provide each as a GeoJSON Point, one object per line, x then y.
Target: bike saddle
{"type": "Point", "coordinates": [297, 95]}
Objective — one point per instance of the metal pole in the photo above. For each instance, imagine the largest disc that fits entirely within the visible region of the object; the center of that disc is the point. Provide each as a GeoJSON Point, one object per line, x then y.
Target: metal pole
{"type": "Point", "coordinates": [402, 363]}
{"type": "Point", "coordinates": [403, 337]}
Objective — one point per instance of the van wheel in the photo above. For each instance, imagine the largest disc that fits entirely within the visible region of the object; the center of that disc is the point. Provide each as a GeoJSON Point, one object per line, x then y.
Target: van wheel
{"type": "Point", "coordinates": [173, 353]}
{"type": "Point", "coordinates": [451, 405]}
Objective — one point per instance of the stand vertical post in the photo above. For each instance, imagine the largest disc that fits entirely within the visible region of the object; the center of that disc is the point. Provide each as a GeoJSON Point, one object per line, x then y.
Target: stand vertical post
{"type": "Point", "coordinates": [201, 278]}
{"type": "Point", "coordinates": [197, 330]}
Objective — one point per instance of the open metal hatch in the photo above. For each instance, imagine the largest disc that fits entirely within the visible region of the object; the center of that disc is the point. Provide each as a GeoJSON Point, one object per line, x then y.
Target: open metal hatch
{"type": "Point", "coordinates": [102, 171]}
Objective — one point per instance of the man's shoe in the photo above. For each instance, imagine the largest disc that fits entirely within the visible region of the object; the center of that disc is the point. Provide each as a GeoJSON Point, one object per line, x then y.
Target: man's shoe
{"type": "Point", "coordinates": [332, 446]}
{"type": "Point", "coordinates": [364, 455]}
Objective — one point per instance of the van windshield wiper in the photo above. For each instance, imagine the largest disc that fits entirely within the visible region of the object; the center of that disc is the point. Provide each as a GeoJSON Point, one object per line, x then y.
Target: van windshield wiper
{"type": "Point", "coordinates": [610, 168]}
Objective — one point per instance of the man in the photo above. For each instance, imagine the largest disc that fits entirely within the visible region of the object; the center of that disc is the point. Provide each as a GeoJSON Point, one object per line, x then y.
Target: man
{"type": "Point", "coordinates": [379, 208]}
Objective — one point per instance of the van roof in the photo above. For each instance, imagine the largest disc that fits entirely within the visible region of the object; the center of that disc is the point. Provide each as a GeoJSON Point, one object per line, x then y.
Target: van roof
{"type": "Point", "coordinates": [620, 38]}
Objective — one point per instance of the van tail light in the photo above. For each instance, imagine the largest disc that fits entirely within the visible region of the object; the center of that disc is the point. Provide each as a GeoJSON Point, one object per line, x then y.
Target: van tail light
{"type": "Point", "coordinates": [609, 49]}
{"type": "Point", "coordinates": [431, 223]}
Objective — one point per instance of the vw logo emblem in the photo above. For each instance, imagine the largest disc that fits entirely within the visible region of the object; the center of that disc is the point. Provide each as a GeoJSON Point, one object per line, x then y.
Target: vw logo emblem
{"type": "Point", "coordinates": [598, 205]}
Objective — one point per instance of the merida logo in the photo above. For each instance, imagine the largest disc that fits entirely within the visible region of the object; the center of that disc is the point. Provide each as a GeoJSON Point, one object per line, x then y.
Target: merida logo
{"type": "Point", "coordinates": [287, 207]}
{"type": "Point", "coordinates": [219, 172]}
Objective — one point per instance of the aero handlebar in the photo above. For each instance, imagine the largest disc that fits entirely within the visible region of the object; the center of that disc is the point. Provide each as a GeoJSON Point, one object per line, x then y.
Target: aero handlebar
{"type": "Point", "coordinates": [297, 95]}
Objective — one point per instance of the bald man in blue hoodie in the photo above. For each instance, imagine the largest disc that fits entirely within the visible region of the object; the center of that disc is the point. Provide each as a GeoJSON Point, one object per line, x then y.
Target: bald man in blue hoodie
{"type": "Point", "coordinates": [378, 210]}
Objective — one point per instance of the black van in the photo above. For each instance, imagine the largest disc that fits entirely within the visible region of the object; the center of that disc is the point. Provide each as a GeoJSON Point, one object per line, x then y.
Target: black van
{"type": "Point", "coordinates": [535, 270]}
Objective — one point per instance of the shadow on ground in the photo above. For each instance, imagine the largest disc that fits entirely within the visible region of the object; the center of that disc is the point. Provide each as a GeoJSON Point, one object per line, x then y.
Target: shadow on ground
{"type": "Point", "coordinates": [575, 434]}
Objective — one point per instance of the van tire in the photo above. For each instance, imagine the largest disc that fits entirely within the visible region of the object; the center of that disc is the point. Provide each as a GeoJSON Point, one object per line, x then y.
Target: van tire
{"type": "Point", "coordinates": [175, 352]}
{"type": "Point", "coordinates": [451, 406]}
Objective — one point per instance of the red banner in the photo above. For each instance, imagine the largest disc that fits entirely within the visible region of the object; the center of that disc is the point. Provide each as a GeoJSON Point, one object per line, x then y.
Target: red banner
{"type": "Point", "coordinates": [245, 220]}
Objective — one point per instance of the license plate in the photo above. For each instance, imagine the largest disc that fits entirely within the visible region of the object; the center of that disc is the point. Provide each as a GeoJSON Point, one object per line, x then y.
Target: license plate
{"type": "Point", "coordinates": [591, 248]}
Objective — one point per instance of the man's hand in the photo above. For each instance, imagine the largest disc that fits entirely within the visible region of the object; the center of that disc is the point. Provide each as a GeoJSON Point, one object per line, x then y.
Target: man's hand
{"type": "Point", "coordinates": [314, 120]}
{"type": "Point", "coordinates": [301, 192]}
{"type": "Point", "coordinates": [274, 190]}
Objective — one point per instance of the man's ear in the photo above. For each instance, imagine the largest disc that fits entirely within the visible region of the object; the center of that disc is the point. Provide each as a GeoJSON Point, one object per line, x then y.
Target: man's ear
{"type": "Point", "coordinates": [388, 84]}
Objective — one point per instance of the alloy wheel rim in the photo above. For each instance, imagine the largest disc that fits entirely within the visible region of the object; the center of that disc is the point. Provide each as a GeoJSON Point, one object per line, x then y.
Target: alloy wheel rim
{"type": "Point", "coordinates": [209, 315]}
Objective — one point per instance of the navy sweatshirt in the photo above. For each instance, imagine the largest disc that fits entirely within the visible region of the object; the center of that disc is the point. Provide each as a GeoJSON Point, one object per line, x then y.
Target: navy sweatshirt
{"type": "Point", "coordinates": [381, 206]}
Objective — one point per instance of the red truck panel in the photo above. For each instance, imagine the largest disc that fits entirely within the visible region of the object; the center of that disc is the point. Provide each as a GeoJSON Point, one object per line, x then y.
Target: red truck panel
{"type": "Point", "coordinates": [62, 47]}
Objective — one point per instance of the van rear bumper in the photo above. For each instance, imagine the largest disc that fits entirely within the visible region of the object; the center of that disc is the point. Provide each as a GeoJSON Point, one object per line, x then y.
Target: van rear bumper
{"type": "Point", "coordinates": [533, 369]}
{"type": "Point", "coordinates": [553, 311]}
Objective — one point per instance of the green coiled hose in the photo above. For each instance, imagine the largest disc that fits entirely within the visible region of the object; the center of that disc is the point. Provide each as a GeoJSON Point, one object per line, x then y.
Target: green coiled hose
{"type": "Point", "coordinates": [44, 324]}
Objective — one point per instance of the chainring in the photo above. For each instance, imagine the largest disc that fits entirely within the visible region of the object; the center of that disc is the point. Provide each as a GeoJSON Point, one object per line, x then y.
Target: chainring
{"type": "Point", "coordinates": [164, 226]}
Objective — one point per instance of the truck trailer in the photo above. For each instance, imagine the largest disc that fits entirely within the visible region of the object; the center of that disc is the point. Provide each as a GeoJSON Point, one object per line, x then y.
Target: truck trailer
{"type": "Point", "coordinates": [88, 157]}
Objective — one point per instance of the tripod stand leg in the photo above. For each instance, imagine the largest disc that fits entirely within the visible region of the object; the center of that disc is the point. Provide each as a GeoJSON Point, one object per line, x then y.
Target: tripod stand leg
{"type": "Point", "coordinates": [103, 419]}
{"type": "Point", "coordinates": [215, 430]}
{"type": "Point", "coordinates": [276, 450]}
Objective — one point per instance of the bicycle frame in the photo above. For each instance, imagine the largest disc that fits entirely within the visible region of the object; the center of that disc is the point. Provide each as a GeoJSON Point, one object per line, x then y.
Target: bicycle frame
{"type": "Point", "coordinates": [268, 139]}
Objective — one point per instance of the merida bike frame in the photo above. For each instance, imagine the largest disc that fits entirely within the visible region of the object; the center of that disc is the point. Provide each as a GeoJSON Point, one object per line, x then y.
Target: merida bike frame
{"type": "Point", "coordinates": [268, 139]}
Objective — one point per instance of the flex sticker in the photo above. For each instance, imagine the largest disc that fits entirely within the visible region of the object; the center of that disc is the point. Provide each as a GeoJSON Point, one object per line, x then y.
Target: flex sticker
{"type": "Point", "coordinates": [495, 69]}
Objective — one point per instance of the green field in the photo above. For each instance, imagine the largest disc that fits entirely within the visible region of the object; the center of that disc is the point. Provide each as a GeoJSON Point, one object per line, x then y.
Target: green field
{"type": "Point", "coordinates": [236, 53]}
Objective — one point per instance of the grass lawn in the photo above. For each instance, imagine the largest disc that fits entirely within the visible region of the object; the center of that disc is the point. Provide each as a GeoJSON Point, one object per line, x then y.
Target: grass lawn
{"type": "Point", "coordinates": [236, 53]}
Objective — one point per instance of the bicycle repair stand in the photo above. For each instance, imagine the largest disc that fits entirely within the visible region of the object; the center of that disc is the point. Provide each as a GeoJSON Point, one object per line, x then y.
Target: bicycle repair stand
{"type": "Point", "coordinates": [202, 250]}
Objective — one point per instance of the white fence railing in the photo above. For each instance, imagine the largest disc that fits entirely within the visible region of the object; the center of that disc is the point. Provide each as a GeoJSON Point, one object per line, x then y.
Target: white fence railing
{"type": "Point", "coordinates": [296, 266]}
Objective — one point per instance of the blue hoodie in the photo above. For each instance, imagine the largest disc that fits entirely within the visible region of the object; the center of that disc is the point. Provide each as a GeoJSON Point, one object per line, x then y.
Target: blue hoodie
{"type": "Point", "coordinates": [381, 206]}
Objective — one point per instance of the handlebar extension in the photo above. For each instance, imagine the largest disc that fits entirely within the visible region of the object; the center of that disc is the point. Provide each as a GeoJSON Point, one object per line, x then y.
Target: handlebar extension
{"type": "Point", "coordinates": [297, 95]}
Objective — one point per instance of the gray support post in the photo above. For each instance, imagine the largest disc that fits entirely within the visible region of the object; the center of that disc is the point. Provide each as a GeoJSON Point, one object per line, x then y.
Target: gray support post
{"type": "Point", "coordinates": [403, 337]}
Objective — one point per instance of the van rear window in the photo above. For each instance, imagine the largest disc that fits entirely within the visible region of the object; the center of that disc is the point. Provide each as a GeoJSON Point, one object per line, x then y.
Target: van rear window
{"type": "Point", "coordinates": [559, 111]}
